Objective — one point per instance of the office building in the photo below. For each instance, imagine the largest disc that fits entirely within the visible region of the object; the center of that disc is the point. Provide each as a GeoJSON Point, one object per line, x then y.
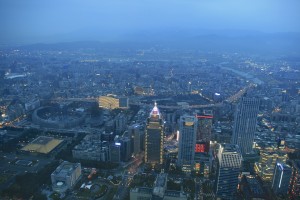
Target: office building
{"type": "Point", "coordinates": [160, 185]}
{"type": "Point", "coordinates": [187, 142]}
{"type": "Point", "coordinates": [294, 190]}
{"type": "Point", "coordinates": [154, 137]}
{"type": "Point", "coordinates": [115, 152]}
{"type": "Point", "coordinates": [251, 188]}
{"type": "Point", "coordinates": [137, 136]}
{"type": "Point", "coordinates": [204, 127]}
{"type": "Point", "coordinates": [245, 124]}
{"type": "Point", "coordinates": [91, 148]}
{"type": "Point", "coordinates": [121, 123]}
{"type": "Point", "coordinates": [65, 176]}
{"type": "Point", "coordinates": [125, 149]}
{"type": "Point", "coordinates": [281, 178]}
{"type": "Point", "coordinates": [229, 161]}
{"type": "Point", "coordinates": [268, 158]}
{"type": "Point", "coordinates": [203, 162]}
{"type": "Point", "coordinates": [107, 136]}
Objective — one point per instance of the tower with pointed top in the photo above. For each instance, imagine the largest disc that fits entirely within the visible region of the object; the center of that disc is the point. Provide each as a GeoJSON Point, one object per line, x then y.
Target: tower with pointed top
{"type": "Point", "coordinates": [154, 137]}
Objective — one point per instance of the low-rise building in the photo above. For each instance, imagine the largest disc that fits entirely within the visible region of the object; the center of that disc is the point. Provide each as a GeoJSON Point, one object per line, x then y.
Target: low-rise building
{"type": "Point", "coordinates": [251, 188]}
{"type": "Point", "coordinates": [65, 176]}
{"type": "Point", "coordinates": [157, 192]}
{"type": "Point", "coordinates": [91, 148]}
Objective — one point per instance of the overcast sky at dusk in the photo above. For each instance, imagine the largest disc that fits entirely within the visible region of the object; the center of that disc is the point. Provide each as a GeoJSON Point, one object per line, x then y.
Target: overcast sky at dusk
{"type": "Point", "coordinates": [38, 20]}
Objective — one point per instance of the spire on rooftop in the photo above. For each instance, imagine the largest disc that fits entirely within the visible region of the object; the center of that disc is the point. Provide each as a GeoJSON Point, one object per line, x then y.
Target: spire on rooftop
{"type": "Point", "coordinates": [155, 111]}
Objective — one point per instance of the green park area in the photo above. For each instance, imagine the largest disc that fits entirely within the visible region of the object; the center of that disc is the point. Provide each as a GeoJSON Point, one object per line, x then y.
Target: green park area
{"type": "Point", "coordinates": [142, 180]}
{"type": "Point", "coordinates": [4, 178]}
{"type": "Point", "coordinates": [95, 191]}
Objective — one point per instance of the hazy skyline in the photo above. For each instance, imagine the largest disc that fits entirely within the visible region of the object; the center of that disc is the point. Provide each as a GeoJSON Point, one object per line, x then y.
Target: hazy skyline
{"type": "Point", "coordinates": [33, 21]}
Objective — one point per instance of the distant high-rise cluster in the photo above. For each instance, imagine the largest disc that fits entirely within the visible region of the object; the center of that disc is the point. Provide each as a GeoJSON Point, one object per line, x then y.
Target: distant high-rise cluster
{"type": "Point", "coordinates": [154, 137]}
{"type": "Point", "coordinates": [245, 123]}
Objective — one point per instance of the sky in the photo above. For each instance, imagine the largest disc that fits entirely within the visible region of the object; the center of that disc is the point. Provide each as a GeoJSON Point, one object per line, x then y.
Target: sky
{"type": "Point", "coordinates": [29, 21]}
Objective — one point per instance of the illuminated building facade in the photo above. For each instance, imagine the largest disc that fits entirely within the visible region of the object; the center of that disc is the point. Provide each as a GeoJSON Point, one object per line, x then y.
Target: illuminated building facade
{"type": "Point", "coordinates": [42, 145]}
{"type": "Point", "coordinates": [204, 130]}
{"type": "Point", "coordinates": [204, 127]}
{"type": "Point", "coordinates": [187, 142]}
{"type": "Point", "coordinates": [229, 161]}
{"type": "Point", "coordinates": [203, 162]}
{"type": "Point", "coordinates": [265, 168]}
{"type": "Point", "coordinates": [281, 178]}
{"type": "Point", "coordinates": [245, 124]}
{"type": "Point", "coordinates": [294, 190]}
{"type": "Point", "coordinates": [200, 147]}
{"type": "Point", "coordinates": [154, 137]}
{"type": "Point", "coordinates": [113, 102]}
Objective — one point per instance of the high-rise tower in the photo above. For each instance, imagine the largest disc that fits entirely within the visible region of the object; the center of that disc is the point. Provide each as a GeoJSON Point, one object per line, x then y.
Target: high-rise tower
{"type": "Point", "coordinates": [154, 137]}
{"type": "Point", "coordinates": [204, 129]}
{"type": "Point", "coordinates": [187, 141]}
{"type": "Point", "coordinates": [245, 123]}
{"type": "Point", "coordinates": [229, 161]}
{"type": "Point", "coordinates": [281, 178]}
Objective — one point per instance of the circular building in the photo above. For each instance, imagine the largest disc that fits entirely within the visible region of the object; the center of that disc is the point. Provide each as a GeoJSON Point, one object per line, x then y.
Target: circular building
{"type": "Point", "coordinates": [58, 116]}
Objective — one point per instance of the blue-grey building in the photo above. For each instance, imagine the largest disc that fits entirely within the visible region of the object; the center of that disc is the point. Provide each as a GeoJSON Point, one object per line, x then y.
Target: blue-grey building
{"type": "Point", "coordinates": [187, 142]}
{"type": "Point", "coordinates": [229, 161]}
{"type": "Point", "coordinates": [281, 178]}
{"type": "Point", "coordinates": [245, 124]}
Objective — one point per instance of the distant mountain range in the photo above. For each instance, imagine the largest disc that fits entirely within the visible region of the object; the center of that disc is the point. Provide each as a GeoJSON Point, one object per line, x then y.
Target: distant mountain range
{"type": "Point", "coordinates": [232, 41]}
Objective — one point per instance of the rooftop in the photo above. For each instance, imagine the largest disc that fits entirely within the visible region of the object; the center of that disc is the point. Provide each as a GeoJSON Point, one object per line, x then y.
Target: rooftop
{"type": "Point", "coordinates": [155, 111]}
{"type": "Point", "coordinates": [42, 144]}
{"type": "Point", "coordinates": [66, 168]}
{"type": "Point", "coordinates": [143, 190]}
{"type": "Point", "coordinates": [173, 193]}
{"type": "Point", "coordinates": [254, 185]}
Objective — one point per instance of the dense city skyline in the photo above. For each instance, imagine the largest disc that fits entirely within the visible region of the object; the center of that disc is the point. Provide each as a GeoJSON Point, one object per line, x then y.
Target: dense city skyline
{"type": "Point", "coordinates": [153, 100]}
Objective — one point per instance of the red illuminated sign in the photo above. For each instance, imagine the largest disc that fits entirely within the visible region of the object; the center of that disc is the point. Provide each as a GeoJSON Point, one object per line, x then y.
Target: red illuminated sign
{"type": "Point", "coordinates": [200, 148]}
{"type": "Point", "coordinates": [204, 116]}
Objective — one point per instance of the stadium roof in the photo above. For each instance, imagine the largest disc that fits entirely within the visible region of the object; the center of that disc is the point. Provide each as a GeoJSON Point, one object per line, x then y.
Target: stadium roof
{"type": "Point", "coordinates": [42, 144]}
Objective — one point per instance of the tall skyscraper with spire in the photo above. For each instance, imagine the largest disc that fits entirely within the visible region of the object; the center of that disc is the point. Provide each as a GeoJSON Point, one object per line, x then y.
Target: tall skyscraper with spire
{"type": "Point", "coordinates": [245, 123]}
{"type": "Point", "coordinates": [187, 141]}
{"type": "Point", "coordinates": [154, 137]}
